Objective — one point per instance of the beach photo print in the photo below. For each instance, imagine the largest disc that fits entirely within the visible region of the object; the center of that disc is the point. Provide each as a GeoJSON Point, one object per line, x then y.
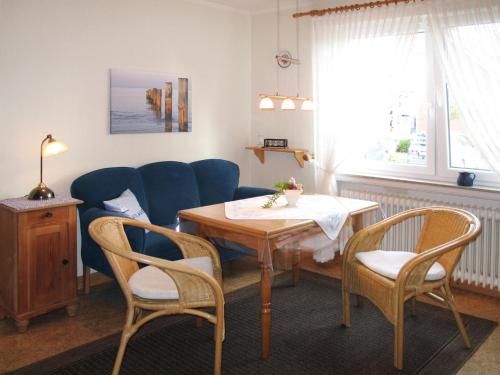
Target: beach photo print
{"type": "Point", "coordinates": [148, 102]}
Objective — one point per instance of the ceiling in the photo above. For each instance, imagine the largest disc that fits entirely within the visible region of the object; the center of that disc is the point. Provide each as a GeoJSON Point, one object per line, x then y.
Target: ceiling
{"type": "Point", "coordinates": [257, 6]}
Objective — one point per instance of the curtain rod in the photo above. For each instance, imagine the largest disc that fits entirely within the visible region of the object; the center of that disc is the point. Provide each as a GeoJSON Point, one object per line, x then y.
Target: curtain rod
{"type": "Point", "coordinates": [348, 8]}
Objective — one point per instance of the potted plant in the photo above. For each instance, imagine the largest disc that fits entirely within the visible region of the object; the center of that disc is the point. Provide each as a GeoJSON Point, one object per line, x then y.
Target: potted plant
{"type": "Point", "coordinates": [290, 189]}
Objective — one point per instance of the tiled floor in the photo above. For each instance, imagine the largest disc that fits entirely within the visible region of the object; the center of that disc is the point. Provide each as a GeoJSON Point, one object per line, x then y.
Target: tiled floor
{"type": "Point", "coordinates": [100, 316]}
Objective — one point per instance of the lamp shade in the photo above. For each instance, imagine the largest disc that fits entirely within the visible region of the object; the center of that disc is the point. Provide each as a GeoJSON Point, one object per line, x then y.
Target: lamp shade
{"type": "Point", "coordinates": [54, 147]}
{"type": "Point", "coordinates": [307, 105]}
{"type": "Point", "coordinates": [266, 104]}
{"type": "Point", "coordinates": [288, 105]}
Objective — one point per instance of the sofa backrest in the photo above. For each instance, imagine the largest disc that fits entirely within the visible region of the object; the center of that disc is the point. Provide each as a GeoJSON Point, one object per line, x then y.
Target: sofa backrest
{"type": "Point", "coordinates": [170, 186]}
{"type": "Point", "coordinates": [217, 180]}
{"type": "Point", "coordinates": [162, 188]}
{"type": "Point", "coordinates": [104, 184]}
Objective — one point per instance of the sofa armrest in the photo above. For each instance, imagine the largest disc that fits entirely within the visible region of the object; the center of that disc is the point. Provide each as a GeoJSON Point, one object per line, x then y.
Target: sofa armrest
{"type": "Point", "coordinates": [136, 236]}
{"type": "Point", "coordinates": [244, 192]}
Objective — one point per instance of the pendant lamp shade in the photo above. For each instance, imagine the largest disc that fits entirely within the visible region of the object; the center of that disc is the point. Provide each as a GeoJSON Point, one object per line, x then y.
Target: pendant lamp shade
{"type": "Point", "coordinates": [307, 105]}
{"type": "Point", "coordinates": [288, 105]}
{"type": "Point", "coordinates": [266, 104]}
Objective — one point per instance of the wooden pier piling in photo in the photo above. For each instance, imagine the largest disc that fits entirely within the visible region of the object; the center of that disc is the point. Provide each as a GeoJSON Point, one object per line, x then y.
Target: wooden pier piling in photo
{"type": "Point", "coordinates": [183, 105]}
{"type": "Point", "coordinates": [153, 96]}
{"type": "Point", "coordinates": [168, 106]}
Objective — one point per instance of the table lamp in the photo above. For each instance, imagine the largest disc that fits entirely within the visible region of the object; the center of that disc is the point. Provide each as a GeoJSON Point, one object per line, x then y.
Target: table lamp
{"type": "Point", "coordinates": [49, 146]}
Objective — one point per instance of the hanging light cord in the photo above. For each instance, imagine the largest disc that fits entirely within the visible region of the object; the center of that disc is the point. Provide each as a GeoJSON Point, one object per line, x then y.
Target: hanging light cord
{"type": "Point", "coordinates": [277, 45]}
{"type": "Point", "coordinates": [297, 46]}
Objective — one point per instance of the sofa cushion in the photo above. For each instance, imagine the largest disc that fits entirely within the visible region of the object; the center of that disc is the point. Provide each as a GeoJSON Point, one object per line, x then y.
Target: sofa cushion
{"type": "Point", "coordinates": [104, 184]}
{"type": "Point", "coordinates": [389, 263]}
{"type": "Point", "coordinates": [170, 186]}
{"type": "Point", "coordinates": [217, 180]}
{"type": "Point", "coordinates": [152, 283]}
{"type": "Point", "coordinates": [127, 205]}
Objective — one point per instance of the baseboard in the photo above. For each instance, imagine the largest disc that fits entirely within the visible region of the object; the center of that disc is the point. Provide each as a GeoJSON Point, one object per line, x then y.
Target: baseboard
{"type": "Point", "coordinates": [96, 278]}
{"type": "Point", "coordinates": [492, 292]}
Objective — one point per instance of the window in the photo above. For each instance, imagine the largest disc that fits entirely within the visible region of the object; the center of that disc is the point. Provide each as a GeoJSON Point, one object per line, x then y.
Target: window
{"type": "Point", "coordinates": [403, 137]}
{"type": "Point", "coordinates": [462, 152]}
{"type": "Point", "coordinates": [423, 134]}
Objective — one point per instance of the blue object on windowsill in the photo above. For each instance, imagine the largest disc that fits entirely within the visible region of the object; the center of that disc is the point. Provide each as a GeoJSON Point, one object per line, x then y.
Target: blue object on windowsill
{"type": "Point", "coordinates": [466, 178]}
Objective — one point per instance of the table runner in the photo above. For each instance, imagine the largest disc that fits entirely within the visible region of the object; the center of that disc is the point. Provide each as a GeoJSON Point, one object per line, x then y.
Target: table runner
{"type": "Point", "coordinates": [325, 210]}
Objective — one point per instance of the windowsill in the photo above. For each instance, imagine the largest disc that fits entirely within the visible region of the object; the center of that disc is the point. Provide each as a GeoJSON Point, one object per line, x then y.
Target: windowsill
{"type": "Point", "coordinates": [484, 192]}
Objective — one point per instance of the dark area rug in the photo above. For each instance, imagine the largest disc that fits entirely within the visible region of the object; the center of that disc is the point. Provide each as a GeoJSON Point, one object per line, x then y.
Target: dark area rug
{"type": "Point", "coordinates": [307, 338]}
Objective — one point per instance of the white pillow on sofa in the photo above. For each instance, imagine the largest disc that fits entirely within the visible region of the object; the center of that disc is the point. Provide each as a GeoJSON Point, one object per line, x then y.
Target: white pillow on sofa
{"type": "Point", "coordinates": [128, 205]}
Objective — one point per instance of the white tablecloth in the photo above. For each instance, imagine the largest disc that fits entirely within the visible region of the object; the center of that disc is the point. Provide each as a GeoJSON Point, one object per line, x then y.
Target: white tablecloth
{"type": "Point", "coordinates": [325, 210]}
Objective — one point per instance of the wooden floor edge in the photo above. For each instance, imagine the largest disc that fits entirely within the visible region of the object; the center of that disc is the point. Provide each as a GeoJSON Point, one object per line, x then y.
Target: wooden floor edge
{"type": "Point", "coordinates": [96, 278]}
{"type": "Point", "coordinates": [491, 292]}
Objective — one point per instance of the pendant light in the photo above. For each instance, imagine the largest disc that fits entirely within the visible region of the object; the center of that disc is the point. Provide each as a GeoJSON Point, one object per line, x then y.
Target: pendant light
{"type": "Point", "coordinates": [266, 104]}
{"type": "Point", "coordinates": [288, 105]}
{"type": "Point", "coordinates": [307, 105]}
{"type": "Point", "coordinates": [284, 59]}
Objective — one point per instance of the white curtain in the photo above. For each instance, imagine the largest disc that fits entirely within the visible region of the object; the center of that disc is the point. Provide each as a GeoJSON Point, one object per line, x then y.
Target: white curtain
{"type": "Point", "coordinates": [358, 58]}
{"type": "Point", "coordinates": [466, 35]}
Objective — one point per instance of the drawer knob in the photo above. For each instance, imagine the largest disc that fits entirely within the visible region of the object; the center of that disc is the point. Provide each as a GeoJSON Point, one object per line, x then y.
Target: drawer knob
{"type": "Point", "coordinates": [65, 262]}
{"type": "Point", "coordinates": [48, 215]}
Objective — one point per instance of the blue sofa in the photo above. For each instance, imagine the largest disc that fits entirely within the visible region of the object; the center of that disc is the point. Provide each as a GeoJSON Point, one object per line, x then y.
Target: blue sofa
{"type": "Point", "coordinates": [162, 189]}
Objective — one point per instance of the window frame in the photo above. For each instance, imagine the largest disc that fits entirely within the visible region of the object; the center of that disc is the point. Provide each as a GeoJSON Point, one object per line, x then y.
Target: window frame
{"type": "Point", "coordinates": [438, 167]}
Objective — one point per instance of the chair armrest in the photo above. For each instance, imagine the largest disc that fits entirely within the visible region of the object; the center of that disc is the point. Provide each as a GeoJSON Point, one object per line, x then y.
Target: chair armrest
{"type": "Point", "coordinates": [244, 192]}
{"type": "Point", "coordinates": [412, 274]}
{"type": "Point", "coordinates": [366, 239]}
{"type": "Point", "coordinates": [190, 281]}
{"type": "Point", "coordinates": [135, 235]}
{"type": "Point", "coordinates": [370, 238]}
{"type": "Point", "coordinates": [193, 246]}
{"type": "Point", "coordinates": [190, 246]}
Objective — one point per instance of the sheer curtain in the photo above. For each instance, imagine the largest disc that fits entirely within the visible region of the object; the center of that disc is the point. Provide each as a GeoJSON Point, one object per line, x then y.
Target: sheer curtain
{"type": "Point", "coordinates": [358, 58]}
{"type": "Point", "coordinates": [467, 39]}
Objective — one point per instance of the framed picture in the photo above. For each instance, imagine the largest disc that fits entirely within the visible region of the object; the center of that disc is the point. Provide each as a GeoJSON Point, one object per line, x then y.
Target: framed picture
{"type": "Point", "coordinates": [146, 102]}
{"type": "Point", "coordinates": [270, 142]}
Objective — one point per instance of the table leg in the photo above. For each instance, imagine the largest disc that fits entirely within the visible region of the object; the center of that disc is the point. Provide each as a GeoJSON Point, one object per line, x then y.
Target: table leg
{"type": "Point", "coordinates": [357, 222]}
{"type": "Point", "coordinates": [357, 225]}
{"type": "Point", "coordinates": [265, 311]}
{"type": "Point", "coordinates": [296, 267]}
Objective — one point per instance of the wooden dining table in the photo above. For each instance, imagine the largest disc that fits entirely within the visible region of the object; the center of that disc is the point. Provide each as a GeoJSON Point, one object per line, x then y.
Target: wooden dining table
{"type": "Point", "coordinates": [266, 237]}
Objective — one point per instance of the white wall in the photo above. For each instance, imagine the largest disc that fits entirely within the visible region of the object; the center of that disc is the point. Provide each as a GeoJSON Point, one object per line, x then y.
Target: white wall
{"type": "Point", "coordinates": [55, 57]}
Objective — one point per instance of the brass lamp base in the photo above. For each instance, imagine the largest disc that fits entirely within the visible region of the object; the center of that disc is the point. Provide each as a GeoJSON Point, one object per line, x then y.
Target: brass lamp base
{"type": "Point", "coordinates": [41, 192]}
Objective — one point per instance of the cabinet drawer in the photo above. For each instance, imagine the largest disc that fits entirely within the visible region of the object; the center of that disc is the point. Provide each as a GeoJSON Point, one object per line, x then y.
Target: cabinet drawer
{"type": "Point", "coordinates": [47, 216]}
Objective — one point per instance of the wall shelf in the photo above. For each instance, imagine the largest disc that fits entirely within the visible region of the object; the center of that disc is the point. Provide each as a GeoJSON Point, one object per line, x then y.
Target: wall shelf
{"type": "Point", "coordinates": [300, 154]}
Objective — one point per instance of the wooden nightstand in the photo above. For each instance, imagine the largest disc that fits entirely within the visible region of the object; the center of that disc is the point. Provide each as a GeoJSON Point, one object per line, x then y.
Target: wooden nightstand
{"type": "Point", "coordinates": [37, 258]}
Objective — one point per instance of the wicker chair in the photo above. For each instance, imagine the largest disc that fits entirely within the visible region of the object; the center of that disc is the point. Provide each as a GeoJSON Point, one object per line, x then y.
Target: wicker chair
{"type": "Point", "coordinates": [163, 287]}
{"type": "Point", "coordinates": [445, 233]}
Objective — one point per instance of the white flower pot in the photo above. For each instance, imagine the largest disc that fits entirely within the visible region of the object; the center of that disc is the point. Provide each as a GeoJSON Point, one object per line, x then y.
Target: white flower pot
{"type": "Point", "coordinates": [292, 196]}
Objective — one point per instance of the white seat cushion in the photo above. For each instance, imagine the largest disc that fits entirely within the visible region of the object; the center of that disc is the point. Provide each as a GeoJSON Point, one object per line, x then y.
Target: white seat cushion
{"type": "Point", "coordinates": [152, 283]}
{"type": "Point", "coordinates": [388, 263]}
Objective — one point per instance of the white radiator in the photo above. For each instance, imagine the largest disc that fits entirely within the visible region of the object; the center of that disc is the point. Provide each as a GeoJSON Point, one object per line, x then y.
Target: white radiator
{"type": "Point", "coordinates": [480, 262]}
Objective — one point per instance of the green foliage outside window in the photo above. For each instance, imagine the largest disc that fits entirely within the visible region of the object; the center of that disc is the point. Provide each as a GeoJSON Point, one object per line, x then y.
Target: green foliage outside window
{"type": "Point", "coordinates": [403, 146]}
